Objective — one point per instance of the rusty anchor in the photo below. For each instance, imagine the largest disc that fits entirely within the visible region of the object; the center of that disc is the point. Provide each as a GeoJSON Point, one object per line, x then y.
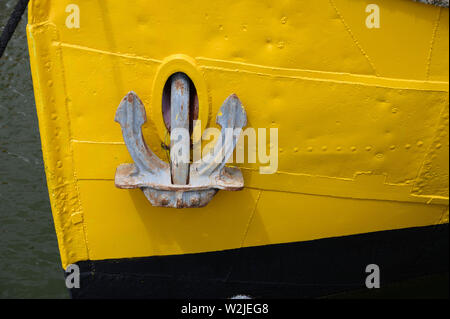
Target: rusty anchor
{"type": "Point", "coordinates": [179, 184]}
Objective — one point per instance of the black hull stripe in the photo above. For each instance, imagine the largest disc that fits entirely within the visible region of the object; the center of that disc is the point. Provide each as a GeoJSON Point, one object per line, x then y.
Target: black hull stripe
{"type": "Point", "coordinates": [292, 270]}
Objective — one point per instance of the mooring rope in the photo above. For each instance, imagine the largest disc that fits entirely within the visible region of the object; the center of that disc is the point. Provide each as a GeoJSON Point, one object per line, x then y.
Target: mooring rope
{"type": "Point", "coordinates": [11, 25]}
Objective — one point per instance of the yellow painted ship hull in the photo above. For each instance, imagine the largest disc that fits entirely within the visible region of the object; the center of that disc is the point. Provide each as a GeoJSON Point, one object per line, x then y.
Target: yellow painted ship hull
{"type": "Point", "coordinates": [362, 115]}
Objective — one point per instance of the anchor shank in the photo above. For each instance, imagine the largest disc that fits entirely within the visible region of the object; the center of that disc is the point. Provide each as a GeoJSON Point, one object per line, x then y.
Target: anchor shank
{"type": "Point", "coordinates": [179, 129]}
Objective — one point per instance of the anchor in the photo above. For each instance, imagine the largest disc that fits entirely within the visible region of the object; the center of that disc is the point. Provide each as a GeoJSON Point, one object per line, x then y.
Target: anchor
{"type": "Point", "coordinates": [179, 184]}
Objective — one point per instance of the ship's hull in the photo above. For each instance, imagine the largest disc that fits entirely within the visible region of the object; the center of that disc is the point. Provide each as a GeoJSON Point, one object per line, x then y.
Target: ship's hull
{"type": "Point", "coordinates": [292, 270]}
{"type": "Point", "coordinates": [362, 118]}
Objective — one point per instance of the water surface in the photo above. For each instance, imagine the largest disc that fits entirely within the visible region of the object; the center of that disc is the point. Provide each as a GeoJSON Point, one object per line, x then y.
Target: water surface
{"type": "Point", "coordinates": [30, 266]}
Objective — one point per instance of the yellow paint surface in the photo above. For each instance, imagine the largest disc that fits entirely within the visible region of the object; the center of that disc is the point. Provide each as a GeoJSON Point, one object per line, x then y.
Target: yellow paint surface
{"type": "Point", "coordinates": [362, 117]}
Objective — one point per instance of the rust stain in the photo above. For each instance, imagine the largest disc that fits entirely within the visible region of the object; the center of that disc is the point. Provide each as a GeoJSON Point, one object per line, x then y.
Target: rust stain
{"type": "Point", "coordinates": [130, 98]}
{"type": "Point", "coordinates": [179, 86]}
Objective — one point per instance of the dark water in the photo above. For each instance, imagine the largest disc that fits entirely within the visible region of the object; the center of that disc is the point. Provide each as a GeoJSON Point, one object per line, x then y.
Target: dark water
{"type": "Point", "coordinates": [30, 266]}
{"type": "Point", "coordinates": [29, 259]}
